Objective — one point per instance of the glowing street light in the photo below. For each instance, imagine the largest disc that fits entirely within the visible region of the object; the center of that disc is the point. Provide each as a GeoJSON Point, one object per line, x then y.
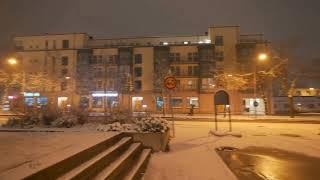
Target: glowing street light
{"type": "Point", "coordinates": [229, 75]}
{"type": "Point", "coordinates": [311, 89]}
{"type": "Point", "coordinates": [12, 61]}
{"type": "Point", "coordinates": [262, 57]}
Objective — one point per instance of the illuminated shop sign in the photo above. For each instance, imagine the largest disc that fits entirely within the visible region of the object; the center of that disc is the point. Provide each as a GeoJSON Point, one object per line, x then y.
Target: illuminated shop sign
{"type": "Point", "coordinates": [29, 94]}
{"type": "Point", "coordinates": [105, 94]}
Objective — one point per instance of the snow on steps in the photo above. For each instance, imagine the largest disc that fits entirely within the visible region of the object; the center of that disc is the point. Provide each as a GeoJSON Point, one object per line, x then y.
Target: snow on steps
{"type": "Point", "coordinates": [137, 171]}
{"type": "Point", "coordinates": [116, 170]}
{"type": "Point", "coordinates": [59, 168]}
{"type": "Point", "coordinates": [115, 159]}
{"type": "Point", "coordinates": [97, 163]}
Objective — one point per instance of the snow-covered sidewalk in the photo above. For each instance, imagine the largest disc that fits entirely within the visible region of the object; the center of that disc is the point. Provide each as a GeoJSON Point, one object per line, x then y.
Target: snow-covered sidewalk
{"type": "Point", "coordinates": [193, 155]}
{"type": "Point", "coordinates": [310, 117]}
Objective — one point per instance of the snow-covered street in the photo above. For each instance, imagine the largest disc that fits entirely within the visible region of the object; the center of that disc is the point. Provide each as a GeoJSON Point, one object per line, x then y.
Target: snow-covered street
{"type": "Point", "coordinates": [192, 152]}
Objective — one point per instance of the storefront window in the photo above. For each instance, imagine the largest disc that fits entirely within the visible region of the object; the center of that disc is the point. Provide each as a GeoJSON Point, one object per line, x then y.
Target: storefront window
{"type": "Point", "coordinates": [97, 102]}
{"type": "Point", "coordinates": [159, 103]}
{"type": "Point", "coordinates": [137, 104]}
{"type": "Point", "coordinates": [29, 101]}
{"type": "Point", "coordinates": [42, 101]}
{"type": "Point", "coordinates": [176, 102]}
{"type": "Point", "coordinates": [112, 101]}
{"type": "Point", "coordinates": [193, 101]}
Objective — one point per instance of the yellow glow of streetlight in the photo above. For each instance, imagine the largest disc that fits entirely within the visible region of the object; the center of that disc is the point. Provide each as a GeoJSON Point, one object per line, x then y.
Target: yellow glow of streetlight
{"type": "Point", "coordinates": [262, 56]}
{"type": "Point", "coordinates": [311, 89]}
{"type": "Point", "coordinates": [12, 61]}
{"type": "Point", "coordinates": [229, 75]}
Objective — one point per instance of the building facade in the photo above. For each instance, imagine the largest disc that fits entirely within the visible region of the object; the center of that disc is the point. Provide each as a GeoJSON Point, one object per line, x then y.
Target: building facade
{"type": "Point", "coordinates": [101, 74]}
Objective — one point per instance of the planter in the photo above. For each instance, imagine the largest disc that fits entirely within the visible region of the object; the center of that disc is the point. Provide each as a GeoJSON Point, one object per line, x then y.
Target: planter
{"type": "Point", "coordinates": [156, 141]}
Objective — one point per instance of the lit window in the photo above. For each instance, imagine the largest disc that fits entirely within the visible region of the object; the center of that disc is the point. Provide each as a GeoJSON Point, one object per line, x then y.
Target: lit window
{"type": "Point", "coordinates": [97, 102]}
{"type": "Point", "coordinates": [193, 101]}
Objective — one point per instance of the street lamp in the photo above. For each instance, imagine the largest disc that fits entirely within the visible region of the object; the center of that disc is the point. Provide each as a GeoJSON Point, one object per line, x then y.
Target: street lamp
{"type": "Point", "coordinates": [260, 57]}
{"type": "Point", "coordinates": [12, 61]}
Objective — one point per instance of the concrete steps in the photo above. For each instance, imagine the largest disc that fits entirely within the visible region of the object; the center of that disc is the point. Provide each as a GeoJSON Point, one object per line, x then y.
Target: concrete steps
{"type": "Point", "coordinates": [114, 159]}
{"type": "Point", "coordinates": [139, 167]}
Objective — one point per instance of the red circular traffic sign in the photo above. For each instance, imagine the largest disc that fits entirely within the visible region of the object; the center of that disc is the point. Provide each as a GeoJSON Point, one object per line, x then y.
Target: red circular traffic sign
{"type": "Point", "coordinates": [170, 82]}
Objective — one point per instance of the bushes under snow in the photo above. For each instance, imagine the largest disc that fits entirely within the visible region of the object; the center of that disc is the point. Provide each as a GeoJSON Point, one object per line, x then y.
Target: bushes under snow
{"type": "Point", "coordinates": [146, 124]}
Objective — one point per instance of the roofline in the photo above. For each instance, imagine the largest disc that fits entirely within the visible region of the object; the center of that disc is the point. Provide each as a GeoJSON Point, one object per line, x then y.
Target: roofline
{"type": "Point", "coordinates": [224, 26]}
{"type": "Point", "coordinates": [252, 34]}
{"type": "Point", "coordinates": [49, 34]}
{"type": "Point", "coordinates": [140, 37]}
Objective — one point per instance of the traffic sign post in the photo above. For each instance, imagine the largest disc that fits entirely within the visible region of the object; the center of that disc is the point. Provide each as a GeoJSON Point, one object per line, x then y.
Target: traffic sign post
{"type": "Point", "coordinates": [170, 83]}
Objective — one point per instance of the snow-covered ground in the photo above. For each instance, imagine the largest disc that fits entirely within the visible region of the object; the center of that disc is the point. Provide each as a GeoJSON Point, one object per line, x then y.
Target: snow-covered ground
{"type": "Point", "coordinates": [24, 152]}
{"type": "Point", "coordinates": [193, 155]}
{"type": "Point", "coordinates": [304, 117]}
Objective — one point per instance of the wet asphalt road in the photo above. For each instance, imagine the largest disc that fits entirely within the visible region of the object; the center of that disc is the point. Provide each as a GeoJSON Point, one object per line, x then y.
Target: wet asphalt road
{"type": "Point", "coordinates": [255, 163]}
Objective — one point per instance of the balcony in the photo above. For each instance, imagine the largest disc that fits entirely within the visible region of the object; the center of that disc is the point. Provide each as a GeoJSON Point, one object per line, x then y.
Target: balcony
{"type": "Point", "coordinates": [184, 61]}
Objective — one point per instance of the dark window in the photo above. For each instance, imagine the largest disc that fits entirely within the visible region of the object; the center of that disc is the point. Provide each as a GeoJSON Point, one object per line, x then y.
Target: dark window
{"type": "Point", "coordinates": [99, 59]}
{"type": "Point", "coordinates": [219, 55]}
{"type": "Point", "coordinates": [93, 60]}
{"type": "Point", "coordinates": [53, 63]}
{"type": "Point", "coordinates": [64, 60]}
{"type": "Point", "coordinates": [189, 56]}
{"type": "Point", "coordinates": [195, 57]}
{"type": "Point", "coordinates": [177, 72]}
{"type": "Point", "coordinates": [219, 41]}
{"type": "Point", "coordinates": [64, 72]}
{"type": "Point", "coordinates": [189, 70]}
{"type": "Point", "coordinates": [177, 56]}
{"type": "Point", "coordinates": [138, 58]}
{"type": "Point", "coordinates": [174, 56]}
{"type": "Point", "coordinates": [65, 44]}
{"type": "Point", "coordinates": [63, 86]}
{"type": "Point", "coordinates": [137, 85]}
{"type": "Point", "coordinates": [137, 71]}
{"type": "Point", "coordinates": [195, 70]}
{"type": "Point", "coordinates": [47, 44]}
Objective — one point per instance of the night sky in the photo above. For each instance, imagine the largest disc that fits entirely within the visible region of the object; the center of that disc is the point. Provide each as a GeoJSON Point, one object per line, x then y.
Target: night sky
{"type": "Point", "coordinates": [292, 24]}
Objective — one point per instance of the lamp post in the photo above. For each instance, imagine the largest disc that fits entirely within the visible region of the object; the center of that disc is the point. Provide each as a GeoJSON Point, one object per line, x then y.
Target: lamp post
{"type": "Point", "coordinates": [12, 61]}
{"type": "Point", "coordinates": [261, 57]}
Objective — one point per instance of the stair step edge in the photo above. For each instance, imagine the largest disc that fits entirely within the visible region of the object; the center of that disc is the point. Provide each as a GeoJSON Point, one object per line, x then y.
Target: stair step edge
{"type": "Point", "coordinates": [94, 160]}
{"type": "Point", "coordinates": [137, 166]}
{"type": "Point", "coordinates": [114, 165]}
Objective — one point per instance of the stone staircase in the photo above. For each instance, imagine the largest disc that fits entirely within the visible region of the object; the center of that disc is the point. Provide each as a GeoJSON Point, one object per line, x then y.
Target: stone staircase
{"type": "Point", "coordinates": [114, 159]}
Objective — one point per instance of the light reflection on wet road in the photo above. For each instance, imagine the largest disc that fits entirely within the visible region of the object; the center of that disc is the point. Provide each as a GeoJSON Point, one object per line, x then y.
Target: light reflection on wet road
{"type": "Point", "coordinates": [255, 163]}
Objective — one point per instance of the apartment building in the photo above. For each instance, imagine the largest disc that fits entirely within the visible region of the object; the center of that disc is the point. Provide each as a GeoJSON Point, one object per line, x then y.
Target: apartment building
{"type": "Point", "coordinates": [100, 74]}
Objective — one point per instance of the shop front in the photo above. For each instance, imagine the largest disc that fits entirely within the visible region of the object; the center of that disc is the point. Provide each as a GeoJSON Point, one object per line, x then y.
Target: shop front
{"type": "Point", "coordinates": [34, 100]}
{"type": "Point", "coordinates": [101, 101]}
{"type": "Point", "coordinates": [254, 106]}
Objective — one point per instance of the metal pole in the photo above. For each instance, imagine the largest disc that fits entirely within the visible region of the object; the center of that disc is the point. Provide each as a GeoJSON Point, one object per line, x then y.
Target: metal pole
{"type": "Point", "coordinates": [171, 109]}
{"type": "Point", "coordinates": [105, 88]}
{"type": "Point", "coordinates": [255, 89]}
{"type": "Point", "coordinates": [215, 117]}
{"type": "Point", "coordinates": [230, 125]}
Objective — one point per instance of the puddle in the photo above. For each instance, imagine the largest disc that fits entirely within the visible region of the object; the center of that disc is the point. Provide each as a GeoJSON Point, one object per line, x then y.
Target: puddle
{"type": "Point", "coordinates": [255, 163]}
{"type": "Point", "coordinates": [291, 135]}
